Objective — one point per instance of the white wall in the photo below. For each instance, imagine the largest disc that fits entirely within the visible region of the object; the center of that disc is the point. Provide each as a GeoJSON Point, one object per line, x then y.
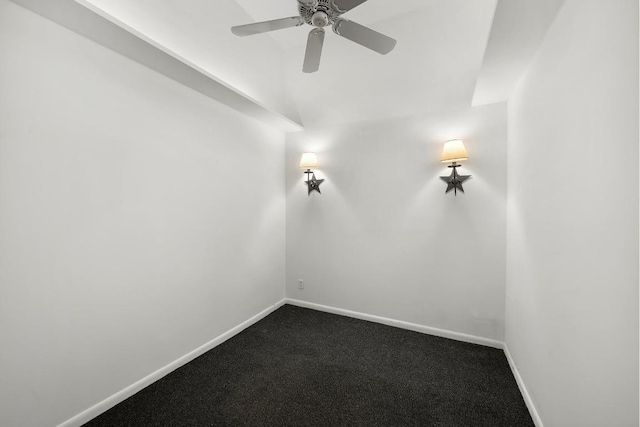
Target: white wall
{"type": "Point", "coordinates": [383, 238]}
{"type": "Point", "coordinates": [572, 251]}
{"type": "Point", "coordinates": [139, 220]}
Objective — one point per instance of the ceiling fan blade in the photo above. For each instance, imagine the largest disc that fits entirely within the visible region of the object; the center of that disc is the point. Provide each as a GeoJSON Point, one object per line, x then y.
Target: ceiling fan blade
{"type": "Point", "coordinates": [364, 36]}
{"type": "Point", "coordinates": [342, 6]}
{"type": "Point", "coordinates": [263, 27]}
{"type": "Point", "coordinates": [314, 51]}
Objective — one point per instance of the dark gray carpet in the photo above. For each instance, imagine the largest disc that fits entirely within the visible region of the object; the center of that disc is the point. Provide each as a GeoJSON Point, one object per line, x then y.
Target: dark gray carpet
{"type": "Point", "coordinates": [300, 367]}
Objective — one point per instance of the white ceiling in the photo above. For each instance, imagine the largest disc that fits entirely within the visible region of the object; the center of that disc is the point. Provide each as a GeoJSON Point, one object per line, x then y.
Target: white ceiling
{"type": "Point", "coordinates": [435, 65]}
{"type": "Point", "coordinates": [519, 26]}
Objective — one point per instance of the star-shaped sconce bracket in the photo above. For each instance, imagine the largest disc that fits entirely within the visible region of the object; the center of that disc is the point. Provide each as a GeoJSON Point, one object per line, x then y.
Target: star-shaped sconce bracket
{"type": "Point", "coordinates": [313, 184]}
{"type": "Point", "coordinates": [454, 181]}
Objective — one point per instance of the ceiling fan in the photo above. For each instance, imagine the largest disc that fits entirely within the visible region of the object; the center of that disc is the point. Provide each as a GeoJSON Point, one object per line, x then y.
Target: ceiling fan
{"type": "Point", "coordinates": [320, 14]}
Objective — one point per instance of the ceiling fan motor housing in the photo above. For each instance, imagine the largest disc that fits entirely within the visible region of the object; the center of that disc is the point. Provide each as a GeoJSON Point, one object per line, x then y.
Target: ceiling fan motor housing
{"type": "Point", "coordinates": [318, 13]}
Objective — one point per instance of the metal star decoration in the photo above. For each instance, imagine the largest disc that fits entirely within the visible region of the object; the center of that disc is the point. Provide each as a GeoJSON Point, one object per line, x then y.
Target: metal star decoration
{"type": "Point", "coordinates": [313, 184]}
{"type": "Point", "coordinates": [454, 181]}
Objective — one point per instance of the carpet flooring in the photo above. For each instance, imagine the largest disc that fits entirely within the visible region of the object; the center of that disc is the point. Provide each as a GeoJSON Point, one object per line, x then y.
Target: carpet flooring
{"type": "Point", "coordinates": [300, 367]}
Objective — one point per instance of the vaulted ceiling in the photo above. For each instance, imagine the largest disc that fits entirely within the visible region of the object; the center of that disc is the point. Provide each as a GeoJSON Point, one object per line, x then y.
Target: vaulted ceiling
{"type": "Point", "coordinates": [449, 52]}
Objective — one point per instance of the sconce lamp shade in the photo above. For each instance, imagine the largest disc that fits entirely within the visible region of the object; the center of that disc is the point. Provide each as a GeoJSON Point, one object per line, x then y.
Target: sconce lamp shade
{"type": "Point", "coordinates": [453, 151]}
{"type": "Point", "coordinates": [308, 161]}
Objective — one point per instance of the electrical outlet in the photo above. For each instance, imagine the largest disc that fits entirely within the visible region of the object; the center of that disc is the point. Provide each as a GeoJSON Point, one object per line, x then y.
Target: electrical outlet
{"type": "Point", "coordinates": [300, 284]}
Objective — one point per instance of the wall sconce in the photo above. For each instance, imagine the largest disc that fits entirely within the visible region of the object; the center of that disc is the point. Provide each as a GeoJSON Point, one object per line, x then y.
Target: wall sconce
{"type": "Point", "coordinates": [454, 152]}
{"type": "Point", "coordinates": [307, 162]}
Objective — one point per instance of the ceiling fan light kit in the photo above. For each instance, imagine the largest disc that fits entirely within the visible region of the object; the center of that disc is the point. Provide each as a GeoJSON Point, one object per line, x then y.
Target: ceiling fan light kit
{"type": "Point", "coordinates": [321, 14]}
